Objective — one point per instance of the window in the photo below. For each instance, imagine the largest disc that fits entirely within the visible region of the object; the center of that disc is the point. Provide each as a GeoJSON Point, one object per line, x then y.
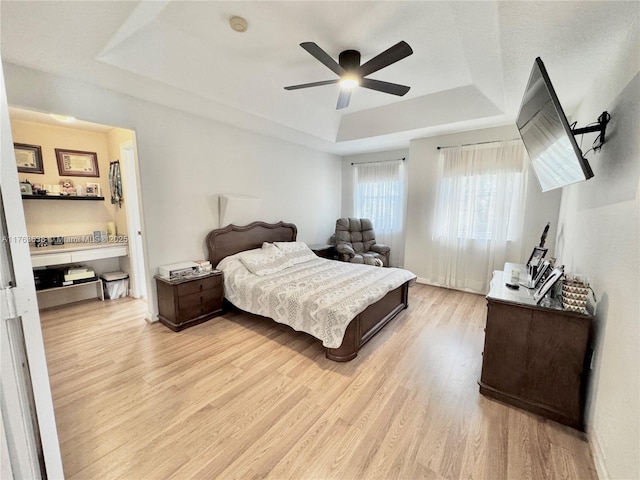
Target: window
{"type": "Point", "coordinates": [480, 192]}
{"type": "Point", "coordinates": [479, 213]}
{"type": "Point", "coordinates": [479, 206]}
{"type": "Point", "coordinates": [379, 195]}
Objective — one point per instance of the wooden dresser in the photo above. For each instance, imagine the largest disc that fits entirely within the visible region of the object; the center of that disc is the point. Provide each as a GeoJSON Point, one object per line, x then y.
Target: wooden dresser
{"type": "Point", "coordinates": [189, 301]}
{"type": "Point", "coordinates": [535, 358]}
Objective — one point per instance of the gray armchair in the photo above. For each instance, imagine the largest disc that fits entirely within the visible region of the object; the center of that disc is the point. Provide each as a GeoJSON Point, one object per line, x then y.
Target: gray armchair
{"type": "Point", "coordinates": [356, 242]}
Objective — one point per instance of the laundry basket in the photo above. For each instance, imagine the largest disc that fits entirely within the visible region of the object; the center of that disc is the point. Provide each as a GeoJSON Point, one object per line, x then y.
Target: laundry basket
{"type": "Point", "coordinates": [115, 284]}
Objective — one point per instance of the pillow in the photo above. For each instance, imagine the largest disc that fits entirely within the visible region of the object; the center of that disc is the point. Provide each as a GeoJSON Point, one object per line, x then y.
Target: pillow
{"type": "Point", "coordinates": [297, 252]}
{"type": "Point", "coordinates": [266, 260]}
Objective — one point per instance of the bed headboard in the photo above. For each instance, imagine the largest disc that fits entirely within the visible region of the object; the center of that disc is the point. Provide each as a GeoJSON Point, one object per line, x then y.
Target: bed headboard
{"type": "Point", "coordinates": [231, 239]}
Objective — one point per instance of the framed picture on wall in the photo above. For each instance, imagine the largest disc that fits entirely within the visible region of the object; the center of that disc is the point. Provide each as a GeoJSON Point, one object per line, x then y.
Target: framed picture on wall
{"type": "Point", "coordinates": [28, 158]}
{"type": "Point", "coordinates": [76, 163]}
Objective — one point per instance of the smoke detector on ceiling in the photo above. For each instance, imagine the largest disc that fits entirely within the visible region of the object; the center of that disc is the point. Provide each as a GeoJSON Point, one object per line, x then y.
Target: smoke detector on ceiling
{"type": "Point", "coordinates": [238, 24]}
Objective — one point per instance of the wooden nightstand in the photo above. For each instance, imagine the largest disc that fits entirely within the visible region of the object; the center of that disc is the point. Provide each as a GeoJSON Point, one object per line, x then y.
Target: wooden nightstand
{"type": "Point", "coordinates": [189, 301]}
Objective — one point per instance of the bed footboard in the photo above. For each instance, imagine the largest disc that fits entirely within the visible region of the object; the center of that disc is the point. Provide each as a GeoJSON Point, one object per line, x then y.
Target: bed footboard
{"type": "Point", "coordinates": [369, 322]}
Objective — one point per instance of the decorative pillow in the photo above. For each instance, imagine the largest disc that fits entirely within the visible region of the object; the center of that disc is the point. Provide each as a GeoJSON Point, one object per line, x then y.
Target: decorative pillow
{"type": "Point", "coordinates": [266, 260]}
{"type": "Point", "coordinates": [297, 252]}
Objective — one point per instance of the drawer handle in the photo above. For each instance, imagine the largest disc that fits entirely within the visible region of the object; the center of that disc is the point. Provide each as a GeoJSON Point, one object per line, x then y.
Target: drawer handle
{"type": "Point", "coordinates": [201, 286]}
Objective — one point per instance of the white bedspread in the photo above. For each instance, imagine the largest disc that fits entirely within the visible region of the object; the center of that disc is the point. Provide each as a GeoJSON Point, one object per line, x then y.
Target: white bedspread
{"type": "Point", "coordinates": [319, 297]}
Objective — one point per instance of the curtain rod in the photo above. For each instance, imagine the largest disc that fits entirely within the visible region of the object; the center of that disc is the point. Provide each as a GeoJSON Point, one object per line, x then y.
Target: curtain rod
{"type": "Point", "coordinates": [378, 161]}
{"type": "Point", "coordinates": [478, 143]}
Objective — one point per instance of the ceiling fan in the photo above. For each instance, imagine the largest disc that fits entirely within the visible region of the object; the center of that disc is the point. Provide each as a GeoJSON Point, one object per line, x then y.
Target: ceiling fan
{"type": "Point", "coordinates": [352, 74]}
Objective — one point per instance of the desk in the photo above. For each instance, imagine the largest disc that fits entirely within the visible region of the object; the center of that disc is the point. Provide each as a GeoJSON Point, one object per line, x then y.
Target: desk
{"type": "Point", "coordinates": [73, 253]}
{"type": "Point", "coordinates": [535, 358]}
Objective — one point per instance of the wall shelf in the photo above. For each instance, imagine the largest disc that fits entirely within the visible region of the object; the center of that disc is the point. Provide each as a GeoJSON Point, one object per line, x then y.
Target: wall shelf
{"type": "Point", "coordinates": [60, 197]}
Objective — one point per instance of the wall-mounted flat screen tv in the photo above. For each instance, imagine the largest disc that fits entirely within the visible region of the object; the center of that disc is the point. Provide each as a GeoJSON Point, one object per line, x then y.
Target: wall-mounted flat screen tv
{"type": "Point", "coordinates": [557, 160]}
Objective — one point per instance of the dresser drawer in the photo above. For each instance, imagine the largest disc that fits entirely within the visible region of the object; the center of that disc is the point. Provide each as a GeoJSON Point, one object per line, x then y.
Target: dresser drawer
{"type": "Point", "coordinates": [195, 286]}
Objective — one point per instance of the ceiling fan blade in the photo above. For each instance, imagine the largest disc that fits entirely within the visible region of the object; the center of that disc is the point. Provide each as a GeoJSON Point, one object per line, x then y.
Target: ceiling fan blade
{"type": "Point", "coordinates": [399, 51]}
{"type": "Point", "coordinates": [312, 84]}
{"type": "Point", "coordinates": [323, 57]}
{"type": "Point", "coordinates": [386, 87]}
{"type": "Point", "coordinates": [343, 99]}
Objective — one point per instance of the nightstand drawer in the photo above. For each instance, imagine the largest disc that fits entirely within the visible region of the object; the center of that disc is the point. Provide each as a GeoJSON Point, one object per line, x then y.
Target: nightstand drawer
{"type": "Point", "coordinates": [187, 301]}
{"type": "Point", "coordinates": [200, 285]}
{"type": "Point", "coordinates": [198, 309]}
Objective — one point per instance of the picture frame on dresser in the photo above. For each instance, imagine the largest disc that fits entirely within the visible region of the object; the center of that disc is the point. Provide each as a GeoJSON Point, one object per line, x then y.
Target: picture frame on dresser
{"type": "Point", "coordinates": [550, 281]}
{"type": "Point", "coordinates": [28, 158]}
{"type": "Point", "coordinates": [536, 256]}
{"type": "Point", "coordinates": [77, 163]}
{"type": "Point", "coordinates": [543, 270]}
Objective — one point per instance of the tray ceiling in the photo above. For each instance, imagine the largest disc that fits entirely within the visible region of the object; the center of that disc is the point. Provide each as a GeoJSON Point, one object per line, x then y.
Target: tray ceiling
{"type": "Point", "coordinates": [470, 65]}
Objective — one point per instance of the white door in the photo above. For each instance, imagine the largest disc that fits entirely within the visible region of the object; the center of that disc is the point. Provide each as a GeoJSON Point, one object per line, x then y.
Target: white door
{"type": "Point", "coordinates": [134, 224]}
{"type": "Point", "coordinates": [28, 423]}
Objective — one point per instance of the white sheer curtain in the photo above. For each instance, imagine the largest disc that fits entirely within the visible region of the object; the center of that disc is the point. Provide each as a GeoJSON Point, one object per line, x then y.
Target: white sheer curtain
{"type": "Point", "coordinates": [479, 212]}
{"type": "Point", "coordinates": [379, 194]}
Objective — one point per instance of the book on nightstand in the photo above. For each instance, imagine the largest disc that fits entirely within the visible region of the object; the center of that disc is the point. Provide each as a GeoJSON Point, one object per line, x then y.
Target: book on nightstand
{"type": "Point", "coordinates": [204, 265]}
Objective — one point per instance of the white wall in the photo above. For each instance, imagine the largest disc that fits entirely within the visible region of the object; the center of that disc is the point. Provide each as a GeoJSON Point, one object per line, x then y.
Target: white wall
{"type": "Point", "coordinates": [423, 175]}
{"type": "Point", "coordinates": [187, 161]}
{"type": "Point", "coordinates": [599, 227]}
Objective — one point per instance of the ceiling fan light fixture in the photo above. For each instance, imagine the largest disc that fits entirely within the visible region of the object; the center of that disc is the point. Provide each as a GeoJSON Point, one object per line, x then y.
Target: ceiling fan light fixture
{"type": "Point", "coordinates": [352, 74]}
{"type": "Point", "coordinates": [349, 81]}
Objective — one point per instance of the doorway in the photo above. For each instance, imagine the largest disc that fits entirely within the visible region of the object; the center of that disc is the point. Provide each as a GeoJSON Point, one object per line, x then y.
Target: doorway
{"type": "Point", "coordinates": [134, 224]}
{"type": "Point", "coordinates": [77, 223]}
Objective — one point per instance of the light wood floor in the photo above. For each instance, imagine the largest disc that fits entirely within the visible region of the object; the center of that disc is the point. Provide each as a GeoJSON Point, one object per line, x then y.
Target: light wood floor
{"type": "Point", "coordinates": [241, 397]}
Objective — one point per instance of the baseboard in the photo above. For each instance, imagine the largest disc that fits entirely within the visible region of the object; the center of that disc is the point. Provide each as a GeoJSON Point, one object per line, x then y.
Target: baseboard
{"type": "Point", "coordinates": [424, 281]}
{"type": "Point", "coordinates": [151, 317]}
{"type": "Point", "coordinates": [598, 456]}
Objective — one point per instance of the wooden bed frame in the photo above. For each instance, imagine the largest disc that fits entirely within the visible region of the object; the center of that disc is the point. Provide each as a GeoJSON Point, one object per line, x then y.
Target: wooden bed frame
{"type": "Point", "coordinates": [232, 239]}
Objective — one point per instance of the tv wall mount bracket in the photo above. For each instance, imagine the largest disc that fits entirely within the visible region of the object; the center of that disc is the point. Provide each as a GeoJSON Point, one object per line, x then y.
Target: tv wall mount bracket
{"type": "Point", "coordinates": [599, 126]}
